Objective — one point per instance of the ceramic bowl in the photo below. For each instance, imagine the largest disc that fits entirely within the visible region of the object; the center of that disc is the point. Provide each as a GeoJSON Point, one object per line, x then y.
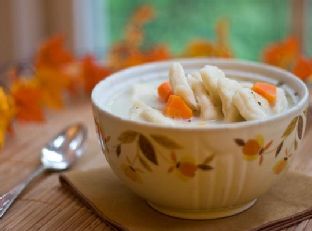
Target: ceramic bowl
{"type": "Point", "coordinates": [200, 172]}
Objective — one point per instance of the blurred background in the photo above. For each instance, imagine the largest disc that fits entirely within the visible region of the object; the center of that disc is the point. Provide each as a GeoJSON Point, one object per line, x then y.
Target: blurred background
{"type": "Point", "coordinates": [93, 26]}
{"type": "Point", "coordinates": [53, 52]}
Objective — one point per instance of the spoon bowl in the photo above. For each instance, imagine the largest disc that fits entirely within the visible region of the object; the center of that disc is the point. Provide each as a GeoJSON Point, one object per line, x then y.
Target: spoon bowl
{"type": "Point", "coordinates": [65, 148]}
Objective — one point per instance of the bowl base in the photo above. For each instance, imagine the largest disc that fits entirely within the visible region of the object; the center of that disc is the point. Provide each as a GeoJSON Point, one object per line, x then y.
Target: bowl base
{"type": "Point", "coordinates": [203, 214]}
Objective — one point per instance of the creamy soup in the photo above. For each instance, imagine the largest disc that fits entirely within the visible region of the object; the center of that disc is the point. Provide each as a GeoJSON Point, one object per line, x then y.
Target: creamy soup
{"type": "Point", "coordinates": [199, 98]}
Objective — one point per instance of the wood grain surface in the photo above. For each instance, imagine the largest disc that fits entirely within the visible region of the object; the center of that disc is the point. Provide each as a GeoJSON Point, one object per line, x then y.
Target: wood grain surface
{"type": "Point", "coordinates": [45, 205]}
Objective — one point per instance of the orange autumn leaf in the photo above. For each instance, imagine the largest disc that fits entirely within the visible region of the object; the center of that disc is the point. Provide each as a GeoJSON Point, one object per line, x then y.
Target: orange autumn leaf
{"type": "Point", "coordinates": [206, 48]}
{"type": "Point", "coordinates": [282, 54]}
{"type": "Point", "coordinates": [199, 48]}
{"type": "Point", "coordinates": [122, 55]}
{"type": "Point", "coordinates": [157, 53]}
{"type": "Point", "coordinates": [134, 57]}
{"type": "Point", "coordinates": [53, 82]}
{"type": "Point", "coordinates": [134, 28]}
{"type": "Point", "coordinates": [52, 53]}
{"type": "Point", "coordinates": [223, 52]}
{"type": "Point", "coordinates": [134, 36]}
{"type": "Point", "coordinates": [143, 14]}
{"type": "Point", "coordinates": [303, 68]}
{"type": "Point", "coordinates": [92, 73]}
{"type": "Point", "coordinates": [128, 51]}
{"type": "Point", "coordinates": [222, 47]}
{"type": "Point", "coordinates": [27, 96]}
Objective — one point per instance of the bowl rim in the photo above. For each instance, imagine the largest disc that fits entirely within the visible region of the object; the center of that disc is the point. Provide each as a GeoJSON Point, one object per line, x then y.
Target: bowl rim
{"type": "Point", "coordinates": [220, 126]}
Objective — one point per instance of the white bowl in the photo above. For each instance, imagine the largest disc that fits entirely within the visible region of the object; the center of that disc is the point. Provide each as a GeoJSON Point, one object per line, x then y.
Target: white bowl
{"type": "Point", "coordinates": [200, 172]}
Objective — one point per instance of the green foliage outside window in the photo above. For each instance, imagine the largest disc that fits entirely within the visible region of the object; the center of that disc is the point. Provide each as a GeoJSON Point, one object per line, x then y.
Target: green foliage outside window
{"type": "Point", "coordinates": [253, 23]}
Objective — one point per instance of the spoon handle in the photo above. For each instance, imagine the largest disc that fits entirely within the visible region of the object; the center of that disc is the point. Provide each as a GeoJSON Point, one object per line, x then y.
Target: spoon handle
{"type": "Point", "coordinates": [7, 199]}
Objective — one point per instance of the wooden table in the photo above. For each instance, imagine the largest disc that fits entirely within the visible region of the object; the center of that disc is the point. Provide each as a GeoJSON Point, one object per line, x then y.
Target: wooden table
{"type": "Point", "coordinates": [45, 205]}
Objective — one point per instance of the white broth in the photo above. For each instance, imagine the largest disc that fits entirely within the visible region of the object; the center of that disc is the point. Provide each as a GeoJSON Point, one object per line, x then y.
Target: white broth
{"type": "Point", "coordinates": [140, 102]}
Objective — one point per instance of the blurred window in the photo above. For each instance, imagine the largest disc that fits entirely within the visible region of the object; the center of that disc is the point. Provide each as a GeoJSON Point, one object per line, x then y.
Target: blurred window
{"type": "Point", "coordinates": [92, 26]}
{"type": "Point", "coordinates": [253, 24]}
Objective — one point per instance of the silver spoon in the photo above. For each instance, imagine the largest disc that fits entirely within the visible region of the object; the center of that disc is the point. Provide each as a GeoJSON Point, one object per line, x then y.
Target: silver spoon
{"type": "Point", "coordinates": [59, 154]}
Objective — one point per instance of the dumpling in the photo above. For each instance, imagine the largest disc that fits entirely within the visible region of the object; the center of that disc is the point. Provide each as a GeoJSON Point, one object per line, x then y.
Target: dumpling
{"type": "Point", "coordinates": [207, 110]}
{"type": "Point", "coordinates": [281, 103]}
{"type": "Point", "coordinates": [210, 76]}
{"type": "Point", "coordinates": [180, 86]}
{"type": "Point", "coordinates": [251, 105]}
{"type": "Point", "coordinates": [142, 111]}
{"type": "Point", "coordinates": [227, 88]}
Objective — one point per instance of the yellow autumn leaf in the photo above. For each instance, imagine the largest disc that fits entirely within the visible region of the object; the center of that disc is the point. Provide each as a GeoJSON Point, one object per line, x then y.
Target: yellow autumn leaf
{"type": "Point", "coordinates": [208, 48]}
{"type": "Point", "coordinates": [7, 112]}
{"type": "Point", "coordinates": [199, 48]}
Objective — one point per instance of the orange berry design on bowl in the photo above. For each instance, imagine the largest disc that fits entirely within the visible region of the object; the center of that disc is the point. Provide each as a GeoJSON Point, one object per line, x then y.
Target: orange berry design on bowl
{"type": "Point", "coordinates": [132, 173]}
{"type": "Point", "coordinates": [251, 148]}
{"type": "Point", "coordinates": [151, 153]}
{"type": "Point", "coordinates": [186, 167]}
{"type": "Point", "coordinates": [254, 148]}
{"type": "Point", "coordinates": [281, 164]}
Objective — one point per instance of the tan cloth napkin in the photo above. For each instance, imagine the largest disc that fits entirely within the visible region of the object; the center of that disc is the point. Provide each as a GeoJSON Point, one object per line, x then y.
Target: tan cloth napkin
{"type": "Point", "coordinates": [287, 203]}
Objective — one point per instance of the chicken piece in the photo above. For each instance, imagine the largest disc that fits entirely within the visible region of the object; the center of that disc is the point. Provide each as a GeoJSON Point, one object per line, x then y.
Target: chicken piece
{"type": "Point", "coordinates": [194, 75]}
{"type": "Point", "coordinates": [207, 110]}
{"type": "Point", "coordinates": [251, 105]}
{"type": "Point", "coordinates": [180, 86]}
{"type": "Point", "coordinates": [210, 76]}
{"type": "Point", "coordinates": [141, 111]}
{"type": "Point", "coordinates": [226, 90]}
{"type": "Point", "coordinates": [281, 103]}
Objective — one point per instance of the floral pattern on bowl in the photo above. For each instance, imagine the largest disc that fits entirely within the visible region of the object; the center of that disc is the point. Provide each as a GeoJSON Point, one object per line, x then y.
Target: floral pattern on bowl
{"type": "Point", "coordinates": [147, 155]}
{"type": "Point", "coordinates": [257, 148]}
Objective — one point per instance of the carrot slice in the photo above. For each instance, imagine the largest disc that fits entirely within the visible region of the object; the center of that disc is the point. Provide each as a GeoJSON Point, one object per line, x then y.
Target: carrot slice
{"type": "Point", "coordinates": [266, 90]}
{"type": "Point", "coordinates": [164, 91]}
{"type": "Point", "coordinates": [177, 108]}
